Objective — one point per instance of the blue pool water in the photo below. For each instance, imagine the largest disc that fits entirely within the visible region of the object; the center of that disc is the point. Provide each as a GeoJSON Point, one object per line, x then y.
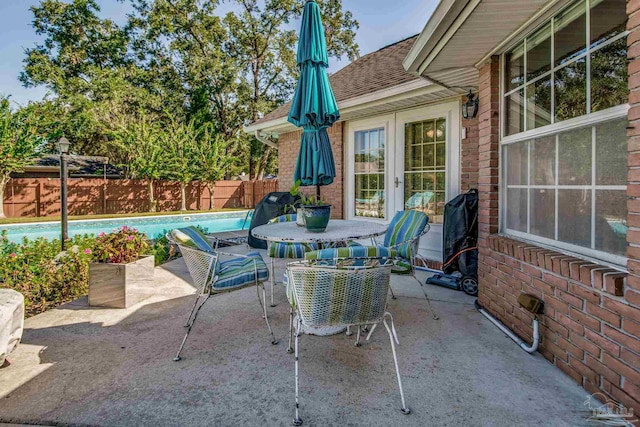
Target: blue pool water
{"type": "Point", "coordinates": [151, 226]}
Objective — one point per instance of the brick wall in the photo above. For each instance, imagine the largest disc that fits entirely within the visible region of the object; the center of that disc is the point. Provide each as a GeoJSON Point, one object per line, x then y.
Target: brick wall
{"type": "Point", "coordinates": [591, 320]}
{"type": "Point", "coordinates": [288, 147]}
{"type": "Point", "coordinates": [469, 154]}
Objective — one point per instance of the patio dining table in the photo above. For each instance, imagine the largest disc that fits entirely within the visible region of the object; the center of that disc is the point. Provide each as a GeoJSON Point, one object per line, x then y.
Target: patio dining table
{"type": "Point", "coordinates": [338, 230]}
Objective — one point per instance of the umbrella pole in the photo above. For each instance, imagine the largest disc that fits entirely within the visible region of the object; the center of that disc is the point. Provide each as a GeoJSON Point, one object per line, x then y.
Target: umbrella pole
{"type": "Point", "coordinates": [317, 192]}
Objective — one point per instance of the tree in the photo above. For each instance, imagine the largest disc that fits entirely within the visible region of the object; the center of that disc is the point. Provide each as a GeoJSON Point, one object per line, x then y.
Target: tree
{"type": "Point", "coordinates": [147, 157]}
{"type": "Point", "coordinates": [213, 160]}
{"type": "Point", "coordinates": [19, 143]}
{"type": "Point", "coordinates": [180, 139]}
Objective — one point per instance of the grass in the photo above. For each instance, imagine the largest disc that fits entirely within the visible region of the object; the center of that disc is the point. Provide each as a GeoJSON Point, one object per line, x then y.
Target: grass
{"type": "Point", "coordinates": [23, 220]}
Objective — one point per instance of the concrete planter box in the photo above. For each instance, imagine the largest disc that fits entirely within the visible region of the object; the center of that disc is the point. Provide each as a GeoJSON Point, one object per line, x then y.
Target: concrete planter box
{"type": "Point", "coordinates": [120, 285]}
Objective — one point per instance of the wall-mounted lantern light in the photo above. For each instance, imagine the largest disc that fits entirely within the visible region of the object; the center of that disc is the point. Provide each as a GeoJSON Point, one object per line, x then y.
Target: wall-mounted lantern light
{"type": "Point", "coordinates": [470, 108]}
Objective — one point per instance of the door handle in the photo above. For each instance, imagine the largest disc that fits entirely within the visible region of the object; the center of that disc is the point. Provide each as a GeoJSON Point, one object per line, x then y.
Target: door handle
{"type": "Point", "coordinates": [397, 181]}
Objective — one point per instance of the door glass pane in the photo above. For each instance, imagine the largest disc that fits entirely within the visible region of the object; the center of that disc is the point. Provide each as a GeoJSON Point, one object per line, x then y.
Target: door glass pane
{"type": "Point", "coordinates": [539, 103]}
{"type": "Point", "coordinates": [611, 221]}
{"type": "Point", "coordinates": [574, 157]}
{"type": "Point", "coordinates": [609, 78]}
{"type": "Point", "coordinates": [608, 19]}
{"type": "Point", "coordinates": [574, 217]}
{"type": "Point", "coordinates": [514, 70]}
{"type": "Point", "coordinates": [543, 159]}
{"type": "Point", "coordinates": [571, 90]}
{"type": "Point", "coordinates": [570, 28]}
{"type": "Point", "coordinates": [611, 153]}
{"type": "Point", "coordinates": [425, 172]}
{"type": "Point", "coordinates": [539, 52]}
{"type": "Point", "coordinates": [369, 173]}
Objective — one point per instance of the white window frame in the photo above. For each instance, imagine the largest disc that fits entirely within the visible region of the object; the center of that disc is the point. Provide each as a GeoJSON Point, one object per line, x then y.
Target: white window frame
{"type": "Point", "coordinates": [589, 119]}
{"type": "Point", "coordinates": [386, 122]}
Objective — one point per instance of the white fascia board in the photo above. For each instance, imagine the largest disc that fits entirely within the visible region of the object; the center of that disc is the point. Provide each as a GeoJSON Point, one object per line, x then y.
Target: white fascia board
{"type": "Point", "coordinates": [433, 33]}
{"type": "Point", "coordinates": [415, 87]}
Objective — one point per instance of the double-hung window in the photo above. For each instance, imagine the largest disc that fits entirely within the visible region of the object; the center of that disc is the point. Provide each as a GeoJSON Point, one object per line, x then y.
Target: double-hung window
{"type": "Point", "coordinates": [564, 143]}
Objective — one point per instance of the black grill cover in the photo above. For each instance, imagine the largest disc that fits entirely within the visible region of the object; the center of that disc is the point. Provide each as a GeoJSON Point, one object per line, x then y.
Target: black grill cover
{"type": "Point", "coordinates": [460, 232]}
{"type": "Point", "coordinates": [271, 206]}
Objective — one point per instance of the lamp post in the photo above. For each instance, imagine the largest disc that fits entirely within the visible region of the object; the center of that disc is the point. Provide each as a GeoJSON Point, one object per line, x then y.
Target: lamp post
{"type": "Point", "coordinates": [63, 147]}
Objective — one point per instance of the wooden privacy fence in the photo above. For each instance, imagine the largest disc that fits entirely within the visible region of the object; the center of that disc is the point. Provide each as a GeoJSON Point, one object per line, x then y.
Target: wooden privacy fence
{"type": "Point", "coordinates": [36, 197]}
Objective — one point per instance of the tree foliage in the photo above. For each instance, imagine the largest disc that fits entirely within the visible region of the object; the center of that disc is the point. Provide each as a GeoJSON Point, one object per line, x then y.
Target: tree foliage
{"type": "Point", "coordinates": [189, 69]}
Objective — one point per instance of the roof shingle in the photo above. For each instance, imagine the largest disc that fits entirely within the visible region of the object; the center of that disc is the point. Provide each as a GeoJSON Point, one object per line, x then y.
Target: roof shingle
{"type": "Point", "coordinates": [375, 71]}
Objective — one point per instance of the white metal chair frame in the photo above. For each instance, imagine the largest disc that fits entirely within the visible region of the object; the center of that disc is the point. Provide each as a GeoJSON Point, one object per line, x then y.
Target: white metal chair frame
{"type": "Point", "coordinates": [326, 293]}
{"type": "Point", "coordinates": [201, 264]}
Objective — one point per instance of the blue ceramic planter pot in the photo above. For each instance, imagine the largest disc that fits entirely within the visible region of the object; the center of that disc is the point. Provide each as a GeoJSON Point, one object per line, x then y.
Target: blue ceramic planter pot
{"type": "Point", "coordinates": [316, 218]}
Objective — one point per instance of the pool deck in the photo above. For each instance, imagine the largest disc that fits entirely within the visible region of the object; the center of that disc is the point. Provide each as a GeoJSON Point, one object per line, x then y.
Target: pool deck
{"type": "Point", "coordinates": [79, 365]}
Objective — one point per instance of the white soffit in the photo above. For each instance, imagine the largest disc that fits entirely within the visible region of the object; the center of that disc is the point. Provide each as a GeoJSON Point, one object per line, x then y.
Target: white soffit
{"type": "Point", "coordinates": [476, 31]}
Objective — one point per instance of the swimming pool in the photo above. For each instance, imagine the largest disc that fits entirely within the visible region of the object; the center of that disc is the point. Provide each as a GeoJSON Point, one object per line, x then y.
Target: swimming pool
{"type": "Point", "coordinates": [150, 225]}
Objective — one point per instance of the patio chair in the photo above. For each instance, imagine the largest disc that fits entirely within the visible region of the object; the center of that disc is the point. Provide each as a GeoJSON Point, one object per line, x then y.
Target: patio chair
{"type": "Point", "coordinates": [340, 295]}
{"type": "Point", "coordinates": [213, 276]}
{"type": "Point", "coordinates": [285, 250]}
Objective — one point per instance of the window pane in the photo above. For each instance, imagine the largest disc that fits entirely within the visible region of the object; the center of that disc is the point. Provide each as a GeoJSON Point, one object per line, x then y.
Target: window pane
{"type": "Point", "coordinates": [514, 73]}
{"type": "Point", "coordinates": [570, 28]}
{"type": "Point", "coordinates": [517, 163]}
{"type": "Point", "coordinates": [574, 217]}
{"type": "Point", "coordinates": [543, 213]}
{"type": "Point", "coordinates": [514, 114]}
{"type": "Point", "coordinates": [611, 221]}
{"type": "Point", "coordinates": [571, 90]}
{"type": "Point", "coordinates": [369, 183]}
{"type": "Point", "coordinates": [543, 159]}
{"type": "Point", "coordinates": [517, 209]}
{"type": "Point", "coordinates": [574, 157]}
{"type": "Point", "coordinates": [611, 153]}
{"type": "Point", "coordinates": [428, 131]}
{"type": "Point", "coordinates": [608, 19]}
{"type": "Point", "coordinates": [441, 155]}
{"type": "Point", "coordinates": [539, 104]}
{"type": "Point", "coordinates": [539, 52]}
{"type": "Point", "coordinates": [609, 80]}
{"type": "Point", "coordinates": [441, 130]}
{"type": "Point", "coordinates": [429, 160]}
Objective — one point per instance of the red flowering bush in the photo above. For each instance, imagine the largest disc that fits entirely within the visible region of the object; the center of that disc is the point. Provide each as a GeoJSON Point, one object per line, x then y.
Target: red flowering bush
{"type": "Point", "coordinates": [121, 246]}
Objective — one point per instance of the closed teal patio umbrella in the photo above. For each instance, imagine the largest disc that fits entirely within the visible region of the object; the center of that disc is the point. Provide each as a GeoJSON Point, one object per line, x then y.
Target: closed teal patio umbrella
{"type": "Point", "coordinates": [314, 107]}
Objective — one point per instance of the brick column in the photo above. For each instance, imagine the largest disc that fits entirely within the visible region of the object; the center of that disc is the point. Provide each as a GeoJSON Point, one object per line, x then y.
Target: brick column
{"type": "Point", "coordinates": [488, 151]}
{"type": "Point", "coordinates": [288, 148]}
{"type": "Point", "coordinates": [469, 154]}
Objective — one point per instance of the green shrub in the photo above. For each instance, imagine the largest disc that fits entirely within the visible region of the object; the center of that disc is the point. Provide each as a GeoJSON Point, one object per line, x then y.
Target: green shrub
{"type": "Point", "coordinates": [46, 277]}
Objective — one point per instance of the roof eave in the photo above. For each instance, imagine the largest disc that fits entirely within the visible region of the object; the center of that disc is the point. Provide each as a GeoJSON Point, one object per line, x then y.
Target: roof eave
{"type": "Point", "coordinates": [433, 32]}
{"type": "Point", "coordinates": [281, 125]}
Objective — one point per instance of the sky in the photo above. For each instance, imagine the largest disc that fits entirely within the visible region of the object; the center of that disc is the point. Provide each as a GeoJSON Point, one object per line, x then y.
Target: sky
{"type": "Point", "coordinates": [382, 22]}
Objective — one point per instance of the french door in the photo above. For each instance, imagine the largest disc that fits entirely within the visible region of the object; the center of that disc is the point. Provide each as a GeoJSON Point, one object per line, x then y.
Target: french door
{"type": "Point", "coordinates": [427, 172]}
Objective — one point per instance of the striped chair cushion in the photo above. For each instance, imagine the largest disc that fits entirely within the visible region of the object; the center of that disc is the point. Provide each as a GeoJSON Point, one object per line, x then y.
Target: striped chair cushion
{"type": "Point", "coordinates": [351, 252]}
{"type": "Point", "coordinates": [404, 226]}
{"type": "Point", "coordinates": [238, 272]}
{"type": "Point", "coordinates": [191, 237]}
{"type": "Point", "coordinates": [289, 250]}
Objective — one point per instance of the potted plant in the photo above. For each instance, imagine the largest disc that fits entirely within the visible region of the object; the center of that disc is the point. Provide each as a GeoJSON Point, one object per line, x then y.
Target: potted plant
{"type": "Point", "coordinates": [123, 273]}
{"type": "Point", "coordinates": [311, 211]}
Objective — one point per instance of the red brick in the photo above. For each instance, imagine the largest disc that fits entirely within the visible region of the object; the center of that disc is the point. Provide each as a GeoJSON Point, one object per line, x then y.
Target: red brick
{"type": "Point", "coordinates": [584, 319]}
{"type": "Point", "coordinates": [585, 273]}
{"type": "Point", "coordinates": [624, 340]}
{"type": "Point", "coordinates": [542, 286]}
{"type": "Point", "coordinates": [570, 348]}
{"type": "Point", "coordinates": [614, 283]}
{"type": "Point", "coordinates": [570, 323]}
{"type": "Point", "coordinates": [603, 370]}
{"type": "Point", "coordinates": [575, 266]}
{"type": "Point", "coordinates": [570, 371]}
{"type": "Point", "coordinates": [603, 314]}
{"type": "Point", "coordinates": [588, 373]}
{"type": "Point", "coordinates": [556, 281]}
{"type": "Point", "coordinates": [630, 357]}
{"type": "Point", "coordinates": [632, 328]}
{"type": "Point", "coordinates": [556, 327]}
{"type": "Point", "coordinates": [532, 271]}
{"type": "Point", "coordinates": [622, 309]}
{"type": "Point", "coordinates": [603, 342]}
{"type": "Point", "coordinates": [570, 299]}
{"type": "Point", "coordinates": [588, 294]}
{"type": "Point", "coordinates": [632, 297]}
{"type": "Point", "coordinates": [621, 368]}
{"type": "Point", "coordinates": [585, 345]}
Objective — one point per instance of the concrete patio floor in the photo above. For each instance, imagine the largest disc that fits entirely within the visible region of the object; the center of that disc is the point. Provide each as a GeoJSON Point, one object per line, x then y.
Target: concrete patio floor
{"type": "Point", "coordinates": [79, 365]}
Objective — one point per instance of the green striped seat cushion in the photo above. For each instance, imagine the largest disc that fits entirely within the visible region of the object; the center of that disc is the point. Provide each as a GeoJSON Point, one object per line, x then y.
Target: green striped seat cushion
{"type": "Point", "coordinates": [191, 237]}
{"type": "Point", "coordinates": [351, 252]}
{"type": "Point", "coordinates": [289, 250]}
{"type": "Point", "coordinates": [404, 226]}
{"type": "Point", "coordinates": [238, 272]}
